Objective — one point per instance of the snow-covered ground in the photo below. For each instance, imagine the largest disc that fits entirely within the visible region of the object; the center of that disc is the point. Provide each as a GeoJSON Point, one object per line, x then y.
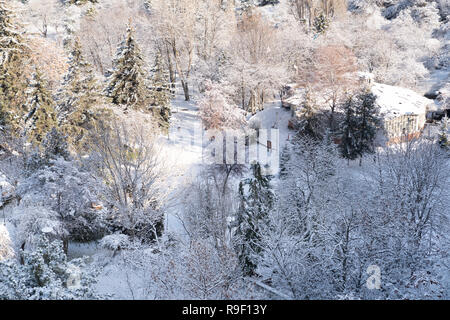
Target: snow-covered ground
{"type": "Point", "coordinates": [126, 280]}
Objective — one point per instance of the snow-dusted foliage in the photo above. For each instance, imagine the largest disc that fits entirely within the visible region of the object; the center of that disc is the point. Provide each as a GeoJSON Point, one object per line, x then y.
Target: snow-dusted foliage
{"type": "Point", "coordinates": [115, 242]}
{"type": "Point", "coordinates": [77, 99]}
{"type": "Point", "coordinates": [255, 203]}
{"type": "Point", "coordinates": [10, 35]}
{"type": "Point", "coordinates": [45, 275]}
{"type": "Point", "coordinates": [324, 234]}
{"type": "Point", "coordinates": [397, 51]}
{"type": "Point", "coordinates": [71, 193]}
{"type": "Point", "coordinates": [127, 81]}
{"type": "Point", "coordinates": [41, 117]}
{"type": "Point", "coordinates": [131, 165]}
{"type": "Point", "coordinates": [217, 112]}
{"type": "Point", "coordinates": [7, 191]}
{"type": "Point", "coordinates": [32, 221]}
{"type": "Point", "coordinates": [6, 250]}
{"type": "Point", "coordinates": [105, 151]}
{"type": "Point", "coordinates": [199, 271]}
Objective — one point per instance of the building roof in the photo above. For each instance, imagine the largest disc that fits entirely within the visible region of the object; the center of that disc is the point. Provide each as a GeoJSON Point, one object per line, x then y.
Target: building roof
{"type": "Point", "coordinates": [396, 101]}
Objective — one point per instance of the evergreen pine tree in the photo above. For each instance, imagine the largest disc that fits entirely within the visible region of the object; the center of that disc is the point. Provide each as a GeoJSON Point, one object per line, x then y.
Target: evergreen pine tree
{"type": "Point", "coordinates": [13, 82]}
{"type": "Point", "coordinates": [160, 93]}
{"type": "Point", "coordinates": [55, 145]}
{"type": "Point", "coordinates": [321, 23]}
{"type": "Point", "coordinates": [127, 82]}
{"type": "Point", "coordinates": [367, 114]}
{"type": "Point", "coordinates": [42, 116]}
{"type": "Point", "coordinates": [348, 146]}
{"type": "Point", "coordinates": [79, 96]}
{"type": "Point", "coordinates": [360, 126]}
{"type": "Point", "coordinates": [309, 123]}
{"type": "Point", "coordinates": [256, 201]}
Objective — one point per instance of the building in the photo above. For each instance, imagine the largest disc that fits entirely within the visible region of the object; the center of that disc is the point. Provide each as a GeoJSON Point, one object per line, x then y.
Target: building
{"type": "Point", "coordinates": [404, 111]}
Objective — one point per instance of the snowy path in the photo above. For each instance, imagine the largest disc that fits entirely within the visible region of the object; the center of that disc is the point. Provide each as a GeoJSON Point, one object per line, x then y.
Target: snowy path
{"type": "Point", "coordinates": [184, 146]}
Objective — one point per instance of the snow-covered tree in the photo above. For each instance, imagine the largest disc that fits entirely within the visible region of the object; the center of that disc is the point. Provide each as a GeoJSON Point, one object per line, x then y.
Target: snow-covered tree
{"type": "Point", "coordinates": [55, 146]}
{"type": "Point", "coordinates": [331, 74]}
{"type": "Point", "coordinates": [321, 23]}
{"type": "Point", "coordinates": [349, 127]}
{"type": "Point", "coordinates": [198, 271]}
{"type": "Point", "coordinates": [130, 163]}
{"type": "Point", "coordinates": [176, 22]}
{"type": "Point", "coordinates": [79, 2]}
{"type": "Point", "coordinates": [360, 125]}
{"type": "Point", "coordinates": [256, 201]}
{"type": "Point", "coordinates": [368, 118]}
{"type": "Point", "coordinates": [41, 117]}
{"type": "Point", "coordinates": [284, 159]}
{"type": "Point", "coordinates": [13, 62]}
{"type": "Point", "coordinates": [78, 99]}
{"type": "Point", "coordinates": [216, 23]}
{"type": "Point", "coordinates": [6, 250]}
{"type": "Point", "coordinates": [46, 274]}
{"type": "Point", "coordinates": [127, 83]}
{"type": "Point", "coordinates": [49, 58]}
{"type": "Point", "coordinates": [395, 51]}
{"type": "Point", "coordinates": [298, 231]}
{"type": "Point", "coordinates": [216, 111]}
{"type": "Point", "coordinates": [309, 116]}
{"type": "Point", "coordinates": [258, 69]}
{"type": "Point", "coordinates": [309, 11]}
{"type": "Point", "coordinates": [408, 216]}
{"type": "Point", "coordinates": [161, 93]}
{"type": "Point", "coordinates": [68, 189]}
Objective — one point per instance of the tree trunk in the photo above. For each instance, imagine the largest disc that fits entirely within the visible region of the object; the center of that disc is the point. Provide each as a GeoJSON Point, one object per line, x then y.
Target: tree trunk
{"type": "Point", "coordinates": [171, 71]}
{"type": "Point", "coordinates": [66, 246]}
{"type": "Point", "coordinates": [186, 90]}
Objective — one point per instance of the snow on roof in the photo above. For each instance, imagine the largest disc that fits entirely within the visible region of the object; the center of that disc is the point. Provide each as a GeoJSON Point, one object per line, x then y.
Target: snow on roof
{"type": "Point", "coordinates": [396, 101]}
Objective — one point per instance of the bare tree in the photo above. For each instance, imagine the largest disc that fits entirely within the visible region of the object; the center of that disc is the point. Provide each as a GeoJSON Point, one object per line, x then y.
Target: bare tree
{"type": "Point", "coordinates": [102, 33]}
{"type": "Point", "coordinates": [129, 161]}
{"type": "Point", "coordinates": [258, 68]}
{"type": "Point", "coordinates": [45, 13]}
{"type": "Point", "coordinates": [331, 73]}
{"type": "Point", "coordinates": [176, 26]}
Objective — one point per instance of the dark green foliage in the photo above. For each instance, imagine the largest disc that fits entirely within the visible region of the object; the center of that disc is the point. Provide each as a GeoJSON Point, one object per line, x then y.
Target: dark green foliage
{"type": "Point", "coordinates": [310, 122]}
{"type": "Point", "coordinates": [369, 121]}
{"type": "Point", "coordinates": [13, 62]}
{"type": "Point", "coordinates": [41, 117]}
{"type": "Point", "coordinates": [284, 160]}
{"type": "Point", "coordinates": [256, 201]}
{"type": "Point", "coordinates": [78, 99]}
{"type": "Point", "coordinates": [160, 94]}
{"type": "Point", "coordinates": [55, 145]}
{"type": "Point", "coordinates": [348, 146]}
{"type": "Point", "coordinates": [127, 82]}
{"type": "Point", "coordinates": [321, 23]}
{"type": "Point", "coordinates": [360, 125]}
